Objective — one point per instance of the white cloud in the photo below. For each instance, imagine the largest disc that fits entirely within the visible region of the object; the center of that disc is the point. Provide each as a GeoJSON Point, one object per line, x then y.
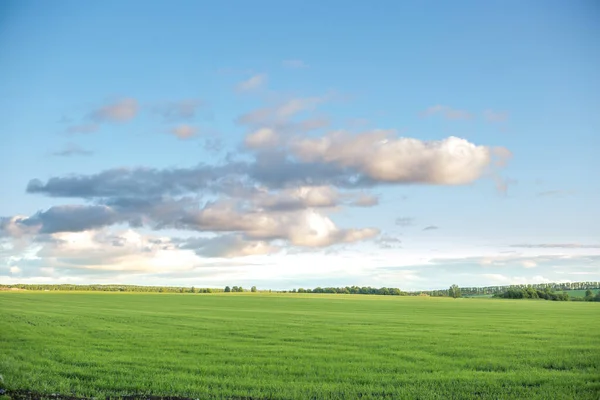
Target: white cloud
{"type": "Point", "coordinates": [262, 138]}
{"type": "Point", "coordinates": [384, 158]}
{"type": "Point", "coordinates": [252, 83]}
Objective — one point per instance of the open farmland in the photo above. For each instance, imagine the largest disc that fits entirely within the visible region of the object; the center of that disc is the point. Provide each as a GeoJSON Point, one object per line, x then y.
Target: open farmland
{"type": "Point", "coordinates": [267, 346]}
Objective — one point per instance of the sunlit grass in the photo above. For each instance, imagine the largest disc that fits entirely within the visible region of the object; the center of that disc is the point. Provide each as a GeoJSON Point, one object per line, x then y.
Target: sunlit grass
{"type": "Point", "coordinates": [269, 346]}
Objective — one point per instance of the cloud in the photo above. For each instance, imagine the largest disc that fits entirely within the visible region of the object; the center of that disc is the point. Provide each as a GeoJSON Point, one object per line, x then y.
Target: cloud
{"type": "Point", "coordinates": [306, 228]}
{"type": "Point", "coordinates": [253, 83]}
{"type": "Point", "coordinates": [528, 264]}
{"type": "Point", "coordinates": [295, 64]}
{"type": "Point", "coordinates": [404, 221]}
{"type": "Point", "coordinates": [380, 157]}
{"type": "Point", "coordinates": [228, 246]}
{"type": "Point", "coordinates": [431, 228]}
{"type": "Point", "coordinates": [495, 116]}
{"type": "Point", "coordinates": [297, 198]}
{"type": "Point", "coordinates": [178, 110]}
{"type": "Point", "coordinates": [121, 111]}
{"type": "Point", "coordinates": [262, 138]}
{"type": "Point", "coordinates": [282, 111]}
{"type": "Point", "coordinates": [72, 150]}
{"type": "Point", "coordinates": [70, 218]}
{"type": "Point", "coordinates": [365, 200]}
{"type": "Point", "coordinates": [82, 128]}
{"type": "Point", "coordinates": [447, 112]}
{"type": "Point", "coordinates": [184, 131]}
{"type": "Point", "coordinates": [388, 242]}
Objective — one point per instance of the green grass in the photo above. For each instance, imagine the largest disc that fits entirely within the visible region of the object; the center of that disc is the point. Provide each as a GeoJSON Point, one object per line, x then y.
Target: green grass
{"type": "Point", "coordinates": [265, 346]}
{"type": "Point", "coordinates": [580, 293]}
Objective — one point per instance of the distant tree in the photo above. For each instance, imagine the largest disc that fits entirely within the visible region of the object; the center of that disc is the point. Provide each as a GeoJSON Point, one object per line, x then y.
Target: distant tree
{"type": "Point", "coordinates": [227, 289]}
{"type": "Point", "coordinates": [193, 290]}
{"type": "Point", "coordinates": [454, 291]}
{"type": "Point", "coordinates": [253, 289]}
{"type": "Point", "coordinates": [234, 289]}
{"type": "Point", "coordinates": [589, 293]}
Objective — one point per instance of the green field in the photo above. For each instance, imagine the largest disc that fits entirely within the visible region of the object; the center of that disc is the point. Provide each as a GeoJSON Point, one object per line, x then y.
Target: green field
{"type": "Point", "coordinates": [261, 346]}
{"type": "Point", "coordinates": [580, 292]}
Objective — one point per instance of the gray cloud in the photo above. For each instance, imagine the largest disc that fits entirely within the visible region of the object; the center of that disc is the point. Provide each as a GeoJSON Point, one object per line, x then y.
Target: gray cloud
{"type": "Point", "coordinates": [72, 150]}
{"type": "Point", "coordinates": [132, 182]}
{"type": "Point", "coordinates": [228, 246]}
{"type": "Point", "coordinates": [430, 228]}
{"type": "Point", "coordinates": [388, 242]}
{"type": "Point", "coordinates": [71, 218]}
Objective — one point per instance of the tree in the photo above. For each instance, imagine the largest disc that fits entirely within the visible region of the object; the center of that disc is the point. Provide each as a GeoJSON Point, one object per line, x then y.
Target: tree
{"type": "Point", "coordinates": [454, 291]}
{"type": "Point", "coordinates": [253, 289]}
{"type": "Point", "coordinates": [227, 289]}
{"type": "Point", "coordinates": [589, 293]}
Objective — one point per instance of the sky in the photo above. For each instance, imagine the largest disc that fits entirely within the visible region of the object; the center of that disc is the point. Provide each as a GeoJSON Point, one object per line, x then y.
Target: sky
{"type": "Point", "coordinates": [410, 144]}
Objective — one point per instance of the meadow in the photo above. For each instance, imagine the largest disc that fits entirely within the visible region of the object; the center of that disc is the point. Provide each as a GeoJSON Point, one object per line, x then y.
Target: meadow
{"type": "Point", "coordinates": [298, 346]}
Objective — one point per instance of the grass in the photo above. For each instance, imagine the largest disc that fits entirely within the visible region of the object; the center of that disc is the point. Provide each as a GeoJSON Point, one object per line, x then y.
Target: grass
{"type": "Point", "coordinates": [263, 346]}
{"type": "Point", "coordinates": [580, 293]}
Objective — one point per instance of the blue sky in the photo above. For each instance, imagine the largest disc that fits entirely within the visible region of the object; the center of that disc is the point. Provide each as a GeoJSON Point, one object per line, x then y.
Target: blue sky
{"type": "Point", "coordinates": [409, 144]}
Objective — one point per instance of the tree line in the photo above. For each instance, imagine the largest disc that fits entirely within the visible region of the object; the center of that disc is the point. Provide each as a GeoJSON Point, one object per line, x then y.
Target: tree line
{"type": "Point", "coordinates": [546, 294]}
{"type": "Point", "coordinates": [546, 291]}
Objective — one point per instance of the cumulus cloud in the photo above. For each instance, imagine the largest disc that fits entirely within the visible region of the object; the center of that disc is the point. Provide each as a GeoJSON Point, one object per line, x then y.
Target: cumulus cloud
{"type": "Point", "coordinates": [277, 192]}
{"type": "Point", "coordinates": [121, 111]}
{"type": "Point", "coordinates": [72, 149]}
{"type": "Point", "coordinates": [381, 157]}
{"type": "Point", "coordinates": [447, 112]}
{"type": "Point", "coordinates": [252, 83]}
{"type": "Point", "coordinates": [184, 131]}
{"type": "Point", "coordinates": [297, 198]}
{"type": "Point", "coordinates": [306, 228]}
{"type": "Point", "coordinates": [122, 251]}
